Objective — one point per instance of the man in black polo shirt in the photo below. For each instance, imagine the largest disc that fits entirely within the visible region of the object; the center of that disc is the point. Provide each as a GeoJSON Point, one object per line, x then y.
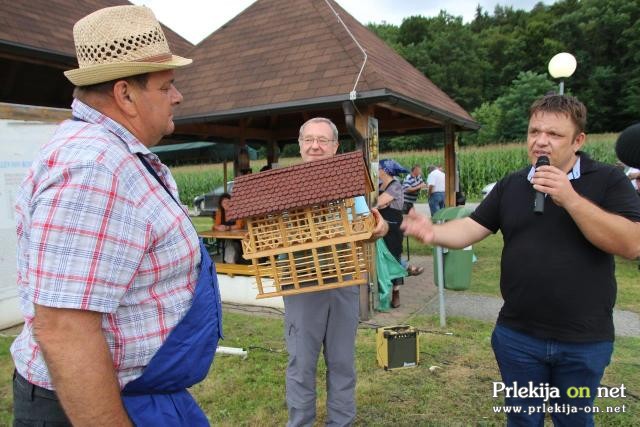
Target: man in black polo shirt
{"type": "Point", "coordinates": [555, 328]}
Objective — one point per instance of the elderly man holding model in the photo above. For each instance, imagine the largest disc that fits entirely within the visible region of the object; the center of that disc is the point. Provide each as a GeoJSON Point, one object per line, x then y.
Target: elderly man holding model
{"type": "Point", "coordinates": [323, 320]}
{"type": "Point", "coordinates": [557, 271]}
{"type": "Point", "coordinates": [120, 301]}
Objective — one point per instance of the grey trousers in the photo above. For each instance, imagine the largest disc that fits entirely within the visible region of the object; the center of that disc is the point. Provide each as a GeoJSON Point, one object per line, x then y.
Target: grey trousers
{"type": "Point", "coordinates": [312, 321]}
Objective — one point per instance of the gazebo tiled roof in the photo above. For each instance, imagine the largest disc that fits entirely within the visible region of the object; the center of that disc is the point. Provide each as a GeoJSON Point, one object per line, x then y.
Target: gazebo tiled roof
{"type": "Point", "coordinates": [339, 177]}
{"type": "Point", "coordinates": [287, 54]}
{"type": "Point", "coordinates": [47, 25]}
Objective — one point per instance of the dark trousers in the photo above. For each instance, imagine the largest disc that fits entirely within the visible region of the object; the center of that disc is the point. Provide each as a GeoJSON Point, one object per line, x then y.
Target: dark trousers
{"type": "Point", "coordinates": [36, 406]}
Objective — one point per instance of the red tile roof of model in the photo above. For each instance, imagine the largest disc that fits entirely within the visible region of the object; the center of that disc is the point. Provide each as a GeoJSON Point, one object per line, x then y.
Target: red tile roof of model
{"type": "Point", "coordinates": [306, 184]}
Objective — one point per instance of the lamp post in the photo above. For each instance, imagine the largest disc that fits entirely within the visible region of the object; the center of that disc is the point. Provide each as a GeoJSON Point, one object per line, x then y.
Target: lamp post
{"type": "Point", "coordinates": [562, 66]}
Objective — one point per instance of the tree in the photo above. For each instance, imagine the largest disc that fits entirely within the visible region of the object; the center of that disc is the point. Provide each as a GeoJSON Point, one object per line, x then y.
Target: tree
{"type": "Point", "coordinates": [488, 115]}
{"type": "Point", "coordinates": [481, 64]}
{"type": "Point", "coordinates": [506, 119]}
{"type": "Point", "coordinates": [514, 104]}
{"type": "Point", "coordinates": [448, 53]}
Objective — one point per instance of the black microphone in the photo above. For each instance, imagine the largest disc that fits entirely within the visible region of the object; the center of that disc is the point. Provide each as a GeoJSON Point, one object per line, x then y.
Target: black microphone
{"type": "Point", "coordinates": [628, 146]}
{"type": "Point", "coordinates": [538, 201]}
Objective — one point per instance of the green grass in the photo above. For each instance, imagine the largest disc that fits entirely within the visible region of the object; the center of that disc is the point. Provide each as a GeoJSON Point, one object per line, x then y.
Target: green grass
{"type": "Point", "coordinates": [485, 276]}
{"type": "Point", "coordinates": [202, 223]}
{"type": "Point", "coordinates": [485, 272]}
{"type": "Point", "coordinates": [250, 392]}
{"type": "Point", "coordinates": [6, 372]}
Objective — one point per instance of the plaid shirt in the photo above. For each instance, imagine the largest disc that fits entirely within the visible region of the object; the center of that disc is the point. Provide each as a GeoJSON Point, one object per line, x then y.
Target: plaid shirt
{"type": "Point", "coordinates": [97, 232]}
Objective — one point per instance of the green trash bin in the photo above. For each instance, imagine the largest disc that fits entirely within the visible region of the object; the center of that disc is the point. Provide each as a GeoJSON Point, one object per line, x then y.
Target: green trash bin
{"type": "Point", "coordinates": [457, 262]}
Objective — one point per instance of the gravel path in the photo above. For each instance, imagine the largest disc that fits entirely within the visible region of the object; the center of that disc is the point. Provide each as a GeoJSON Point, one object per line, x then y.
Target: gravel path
{"type": "Point", "coordinates": [481, 307]}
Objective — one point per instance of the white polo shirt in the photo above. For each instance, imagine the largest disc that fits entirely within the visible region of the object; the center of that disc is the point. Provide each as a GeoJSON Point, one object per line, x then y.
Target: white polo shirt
{"type": "Point", "coordinates": [436, 179]}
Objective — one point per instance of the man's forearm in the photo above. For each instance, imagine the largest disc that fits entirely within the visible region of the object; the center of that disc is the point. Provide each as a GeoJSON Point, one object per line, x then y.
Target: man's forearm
{"type": "Point", "coordinates": [458, 233]}
{"type": "Point", "coordinates": [609, 232]}
{"type": "Point", "coordinates": [80, 365]}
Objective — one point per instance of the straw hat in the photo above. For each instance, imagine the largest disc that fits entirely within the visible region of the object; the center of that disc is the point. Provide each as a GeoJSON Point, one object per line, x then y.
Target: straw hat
{"type": "Point", "coordinates": [118, 42]}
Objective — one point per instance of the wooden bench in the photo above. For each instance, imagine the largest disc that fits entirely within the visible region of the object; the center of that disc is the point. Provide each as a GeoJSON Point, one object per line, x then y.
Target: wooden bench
{"type": "Point", "coordinates": [237, 270]}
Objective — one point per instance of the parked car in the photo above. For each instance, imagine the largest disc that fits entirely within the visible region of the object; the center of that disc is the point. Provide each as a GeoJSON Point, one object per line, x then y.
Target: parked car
{"type": "Point", "coordinates": [207, 204]}
{"type": "Point", "coordinates": [487, 189]}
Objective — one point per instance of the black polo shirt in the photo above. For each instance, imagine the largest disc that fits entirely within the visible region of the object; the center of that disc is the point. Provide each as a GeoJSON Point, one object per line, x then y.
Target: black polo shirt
{"type": "Point", "coordinates": [555, 283]}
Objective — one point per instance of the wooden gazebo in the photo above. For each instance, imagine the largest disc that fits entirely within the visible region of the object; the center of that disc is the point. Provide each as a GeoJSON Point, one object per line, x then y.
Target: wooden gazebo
{"type": "Point", "coordinates": [279, 63]}
{"type": "Point", "coordinates": [254, 80]}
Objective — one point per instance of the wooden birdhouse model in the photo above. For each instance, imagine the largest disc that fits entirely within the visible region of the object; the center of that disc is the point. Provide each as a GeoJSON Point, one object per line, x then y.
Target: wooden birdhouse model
{"type": "Point", "coordinates": [307, 224]}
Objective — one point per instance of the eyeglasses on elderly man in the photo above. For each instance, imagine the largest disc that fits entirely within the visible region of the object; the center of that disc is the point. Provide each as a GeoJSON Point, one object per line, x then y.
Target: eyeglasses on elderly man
{"type": "Point", "coordinates": [308, 140]}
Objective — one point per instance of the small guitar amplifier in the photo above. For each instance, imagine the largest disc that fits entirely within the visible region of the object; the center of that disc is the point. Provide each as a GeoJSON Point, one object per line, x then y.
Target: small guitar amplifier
{"type": "Point", "coordinates": [397, 347]}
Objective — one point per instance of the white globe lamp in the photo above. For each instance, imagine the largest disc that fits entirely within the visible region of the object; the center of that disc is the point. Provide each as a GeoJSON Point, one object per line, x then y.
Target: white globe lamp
{"type": "Point", "coordinates": [561, 66]}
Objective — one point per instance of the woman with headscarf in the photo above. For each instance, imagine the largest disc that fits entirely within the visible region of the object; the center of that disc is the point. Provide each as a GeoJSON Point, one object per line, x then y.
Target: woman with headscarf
{"type": "Point", "coordinates": [390, 203]}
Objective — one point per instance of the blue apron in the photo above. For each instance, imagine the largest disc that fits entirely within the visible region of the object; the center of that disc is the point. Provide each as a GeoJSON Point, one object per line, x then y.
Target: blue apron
{"type": "Point", "coordinates": [159, 397]}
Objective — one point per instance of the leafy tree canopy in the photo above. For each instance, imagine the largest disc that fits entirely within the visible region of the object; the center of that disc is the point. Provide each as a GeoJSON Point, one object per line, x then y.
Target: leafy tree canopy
{"type": "Point", "coordinates": [495, 65]}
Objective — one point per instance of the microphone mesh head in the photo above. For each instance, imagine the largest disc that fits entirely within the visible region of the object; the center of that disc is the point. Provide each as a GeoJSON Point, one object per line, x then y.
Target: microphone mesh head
{"type": "Point", "coordinates": [628, 146]}
{"type": "Point", "coordinates": [542, 161]}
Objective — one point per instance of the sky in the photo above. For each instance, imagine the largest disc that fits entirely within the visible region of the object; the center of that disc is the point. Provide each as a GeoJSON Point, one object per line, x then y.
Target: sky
{"type": "Point", "coordinates": [196, 19]}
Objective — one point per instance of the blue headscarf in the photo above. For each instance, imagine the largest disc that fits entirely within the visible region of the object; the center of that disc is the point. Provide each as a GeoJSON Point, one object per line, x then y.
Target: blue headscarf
{"type": "Point", "coordinates": [392, 167]}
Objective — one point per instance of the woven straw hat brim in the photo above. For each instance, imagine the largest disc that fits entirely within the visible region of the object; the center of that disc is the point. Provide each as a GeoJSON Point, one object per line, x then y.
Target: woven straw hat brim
{"type": "Point", "coordinates": [105, 72]}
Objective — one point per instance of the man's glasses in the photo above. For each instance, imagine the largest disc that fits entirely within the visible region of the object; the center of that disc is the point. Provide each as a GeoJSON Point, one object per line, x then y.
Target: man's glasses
{"type": "Point", "coordinates": [322, 141]}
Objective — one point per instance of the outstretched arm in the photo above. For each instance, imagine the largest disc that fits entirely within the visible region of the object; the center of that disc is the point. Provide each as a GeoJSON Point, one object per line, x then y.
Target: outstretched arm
{"type": "Point", "coordinates": [454, 234]}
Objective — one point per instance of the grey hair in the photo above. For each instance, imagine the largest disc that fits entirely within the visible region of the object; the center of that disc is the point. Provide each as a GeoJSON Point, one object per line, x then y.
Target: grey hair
{"type": "Point", "coordinates": [334, 129]}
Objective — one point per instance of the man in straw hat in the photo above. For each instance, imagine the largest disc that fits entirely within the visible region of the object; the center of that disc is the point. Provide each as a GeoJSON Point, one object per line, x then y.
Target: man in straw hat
{"type": "Point", "coordinates": [121, 310]}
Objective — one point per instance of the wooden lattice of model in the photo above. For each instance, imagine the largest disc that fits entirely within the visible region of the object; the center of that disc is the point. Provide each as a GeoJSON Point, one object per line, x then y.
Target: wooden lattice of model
{"type": "Point", "coordinates": [306, 230]}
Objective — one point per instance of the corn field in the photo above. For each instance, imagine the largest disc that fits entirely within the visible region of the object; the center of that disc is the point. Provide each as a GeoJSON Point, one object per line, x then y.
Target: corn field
{"type": "Point", "coordinates": [478, 165]}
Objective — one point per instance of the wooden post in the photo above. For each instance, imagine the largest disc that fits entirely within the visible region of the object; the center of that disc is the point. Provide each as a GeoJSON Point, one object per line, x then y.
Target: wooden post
{"type": "Point", "coordinates": [224, 175]}
{"type": "Point", "coordinates": [273, 153]}
{"type": "Point", "coordinates": [450, 165]}
{"type": "Point", "coordinates": [369, 300]}
{"type": "Point", "coordinates": [241, 161]}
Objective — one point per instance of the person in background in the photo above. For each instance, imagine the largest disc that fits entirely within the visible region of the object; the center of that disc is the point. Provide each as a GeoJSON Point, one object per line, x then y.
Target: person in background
{"type": "Point", "coordinates": [121, 312]}
{"type": "Point", "coordinates": [390, 204]}
{"type": "Point", "coordinates": [634, 175]}
{"type": "Point", "coordinates": [232, 247]}
{"type": "Point", "coordinates": [412, 185]}
{"type": "Point", "coordinates": [435, 190]}
{"type": "Point", "coordinates": [326, 319]}
{"type": "Point", "coordinates": [558, 272]}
